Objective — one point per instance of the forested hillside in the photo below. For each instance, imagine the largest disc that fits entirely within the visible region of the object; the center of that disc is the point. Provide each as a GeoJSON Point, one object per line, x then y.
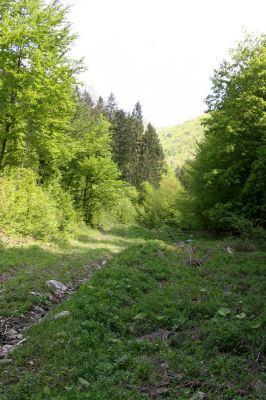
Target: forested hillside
{"type": "Point", "coordinates": [122, 278]}
{"type": "Point", "coordinates": [179, 141]}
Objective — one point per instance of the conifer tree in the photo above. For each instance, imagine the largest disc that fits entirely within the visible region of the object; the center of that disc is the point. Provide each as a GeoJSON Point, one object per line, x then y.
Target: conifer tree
{"type": "Point", "coordinates": [110, 107]}
{"type": "Point", "coordinates": [126, 140]}
{"type": "Point", "coordinates": [151, 162]}
{"type": "Point", "coordinates": [99, 108]}
{"type": "Point", "coordinates": [137, 137]}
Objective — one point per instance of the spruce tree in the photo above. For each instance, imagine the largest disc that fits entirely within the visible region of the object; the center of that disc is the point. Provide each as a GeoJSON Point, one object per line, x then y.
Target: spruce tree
{"type": "Point", "coordinates": [99, 107]}
{"type": "Point", "coordinates": [137, 137]}
{"type": "Point", "coordinates": [151, 161]}
{"type": "Point", "coordinates": [110, 107]}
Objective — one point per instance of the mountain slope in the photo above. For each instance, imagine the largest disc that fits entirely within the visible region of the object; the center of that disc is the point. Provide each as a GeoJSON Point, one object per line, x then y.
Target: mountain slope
{"type": "Point", "coordinates": [179, 141]}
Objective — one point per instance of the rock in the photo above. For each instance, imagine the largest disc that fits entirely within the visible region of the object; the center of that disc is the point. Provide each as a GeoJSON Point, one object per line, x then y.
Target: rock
{"type": "Point", "coordinates": [202, 396]}
{"type": "Point", "coordinates": [58, 286]}
{"type": "Point", "coordinates": [229, 250]}
{"type": "Point", "coordinates": [62, 314]}
{"type": "Point", "coordinates": [19, 336]}
{"type": "Point", "coordinates": [39, 310]}
{"type": "Point", "coordinates": [6, 361]}
{"type": "Point", "coordinates": [12, 334]}
{"type": "Point", "coordinates": [4, 350]}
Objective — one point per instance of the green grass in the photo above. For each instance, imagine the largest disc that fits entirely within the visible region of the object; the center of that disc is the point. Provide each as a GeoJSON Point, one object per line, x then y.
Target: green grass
{"type": "Point", "coordinates": [147, 325]}
{"type": "Point", "coordinates": [27, 267]}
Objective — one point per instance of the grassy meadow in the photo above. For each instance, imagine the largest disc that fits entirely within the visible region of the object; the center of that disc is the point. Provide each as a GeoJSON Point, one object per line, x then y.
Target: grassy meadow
{"type": "Point", "coordinates": [162, 319]}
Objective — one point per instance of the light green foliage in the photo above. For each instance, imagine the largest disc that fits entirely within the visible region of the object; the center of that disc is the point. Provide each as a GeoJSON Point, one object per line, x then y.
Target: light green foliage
{"type": "Point", "coordinates": [179, 141]}
{"type": "Point", "coordinates": [91, 176]}
{"type": "Point", "coordinates": [123, 210]}
{"type": "Point", "coordinates": [36, 85]}
{"type": "Point", "coordinates": [159, 206]}
{"type": "Point", "coordinates": [227, 178]}
{"type": "Point", "coordinates": [28, 209]}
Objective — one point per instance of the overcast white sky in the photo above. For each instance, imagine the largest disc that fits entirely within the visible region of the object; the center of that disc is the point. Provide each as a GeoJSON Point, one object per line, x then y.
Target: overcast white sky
{"type": "Point", "coordinates": [160, 52]}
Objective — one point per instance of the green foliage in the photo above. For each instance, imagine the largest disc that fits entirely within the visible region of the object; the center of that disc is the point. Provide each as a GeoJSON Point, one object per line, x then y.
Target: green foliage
{"type": "Point", "coordinates": [138, 154]}
{"type": "Point", "coordinates": [127, 133]}
{"type": "Point", "coordinates": [151, 160]}
{"type": "Point", "coordinates": [159, 206]}
{"type": "Point", "coordinates": [28, 209]}
{"type": "Point", "coordinates": [228, 175]}
{"type": "Point", "coordinates": [36, 85]}
{"type": "Point", "coordinates": [179, 142]}
{"type": "Point", "coordinates": [123, 210]}
{"type": "Point", "coordinates": [91, 176]}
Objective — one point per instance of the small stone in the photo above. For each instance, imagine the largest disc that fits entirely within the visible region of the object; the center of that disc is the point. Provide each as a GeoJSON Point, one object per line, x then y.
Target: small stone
{"type": "Point", "coordinates": [4, 350]}
{"type": "Point", "coordinates": [6, 361]}
{"type": "Point", "coordinates": [39, 309]}
{"type": "Point", "coordinates": [12, 334]}
{"type": "Point", "coordinates": [62, 314]}
{"type": "Point", "coordinates": [229, 250]}
{"type": "Point", "coordinates": [59, 286]}
{"type": "Point", "coordinates": [19, 336]}
{"type": "Point", "coordinates": [202, 396]}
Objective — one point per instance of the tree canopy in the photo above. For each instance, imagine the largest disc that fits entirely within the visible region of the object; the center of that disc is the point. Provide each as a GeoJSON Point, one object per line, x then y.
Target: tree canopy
{"type": "Point", "coordinates": [228, 175]}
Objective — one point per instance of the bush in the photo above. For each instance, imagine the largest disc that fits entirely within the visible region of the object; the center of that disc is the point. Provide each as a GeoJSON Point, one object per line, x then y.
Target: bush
{"type": "Point", "coordinates": [123, 212]}
{"type": "Point", "coordinates": [29, 209]}
{"type": "Point", "coordinates": [159, 206]}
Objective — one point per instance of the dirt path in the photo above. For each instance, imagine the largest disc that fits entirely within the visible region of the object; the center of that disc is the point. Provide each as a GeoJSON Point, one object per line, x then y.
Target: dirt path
{"type": "Point", "coordinates": [13, 329]}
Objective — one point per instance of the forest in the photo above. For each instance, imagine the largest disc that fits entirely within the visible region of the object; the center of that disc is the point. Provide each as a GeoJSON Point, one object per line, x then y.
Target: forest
{"type": "Point", "coordinates": [178, 216]}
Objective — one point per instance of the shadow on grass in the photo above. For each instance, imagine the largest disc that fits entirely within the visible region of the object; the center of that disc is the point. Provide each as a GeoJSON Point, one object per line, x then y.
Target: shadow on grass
{"type": "Point", "coordinates": [25, 269]}
{"type": "Point", "coordinates": [100, 351]}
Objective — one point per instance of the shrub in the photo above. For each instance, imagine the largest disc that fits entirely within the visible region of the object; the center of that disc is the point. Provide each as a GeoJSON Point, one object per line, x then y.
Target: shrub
{"type": "Point", "coordinates": [123, 211]}
{"type": "Point", "coordinates": [159, 206]}
{"type": "Point", "coordinates": [29, 209]}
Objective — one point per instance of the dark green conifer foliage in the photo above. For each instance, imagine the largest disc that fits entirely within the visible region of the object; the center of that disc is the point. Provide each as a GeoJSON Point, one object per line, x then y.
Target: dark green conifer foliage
{"type": "Point", "coordinates": [110, 107]}
{"type": "Point", "coordinates": [121, 140]}
{"type": "Point", "coordinates": [151, 162]}
{"type": "Point", "coordinates": [137, 131]}
{"type": "Point", "coordinates": [99, 107]}
{"type": "Point", "coordinates": [127, 133]}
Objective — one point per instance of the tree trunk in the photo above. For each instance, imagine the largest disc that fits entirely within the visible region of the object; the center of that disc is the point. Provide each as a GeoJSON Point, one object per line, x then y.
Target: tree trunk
{"type": "Point", "coordinates": [3, 150]}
